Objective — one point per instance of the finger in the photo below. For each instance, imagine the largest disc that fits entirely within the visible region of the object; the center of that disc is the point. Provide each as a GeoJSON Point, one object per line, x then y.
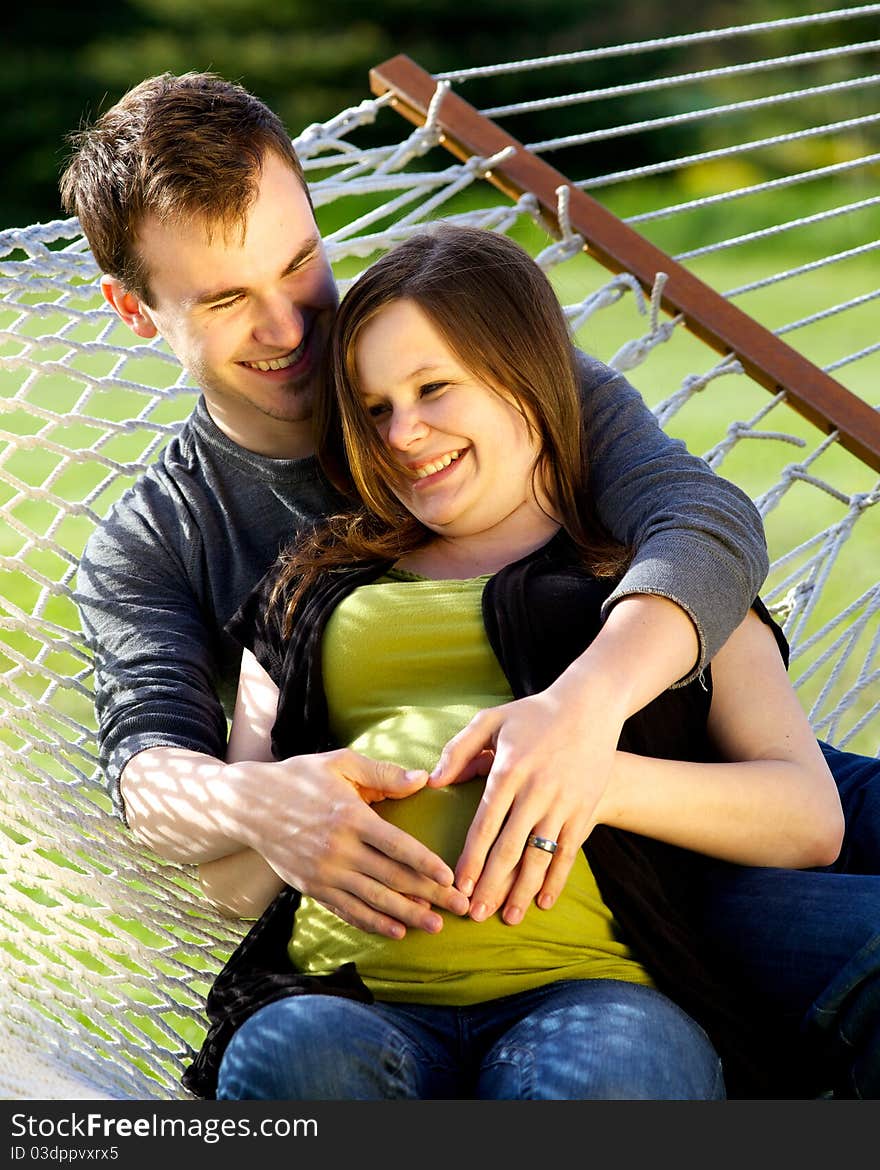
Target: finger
{"type": "Point", "coordinates": [358, 914]}
{"type": "Point", "coordinates": [413, 885]}
{"type": "Point", "coordinates": [380, 779]}
{"type": "Point", "coordinates": [558, 871]}
{"type": "Point", "coordinates": [502, 866]}
{"type": "Point", "coordinates": [478, 736]}
{"type": "Point", "coordinates": [388, 903]}
{"type": "Point", "coordinates": [398, 846]}
{"type": "Point", "coordinates": [480, 765]}
{"type": "Point", "coordinates": [484, 832]}
{"type": "Point", "coordinates": [509, 859]}
{"type": "Point", "coordinates": [532, 877]}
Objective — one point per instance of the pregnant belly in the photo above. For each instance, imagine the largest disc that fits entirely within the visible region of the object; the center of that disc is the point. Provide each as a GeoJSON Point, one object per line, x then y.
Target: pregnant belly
{"type": "Point", "coordinates": [467, 962]}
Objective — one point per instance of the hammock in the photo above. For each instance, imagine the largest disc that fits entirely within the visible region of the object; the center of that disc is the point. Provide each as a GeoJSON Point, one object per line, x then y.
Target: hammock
{"type": "Point", "coordinates": [106, 953]}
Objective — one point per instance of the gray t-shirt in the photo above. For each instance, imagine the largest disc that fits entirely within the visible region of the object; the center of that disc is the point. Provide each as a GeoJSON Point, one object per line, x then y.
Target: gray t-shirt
{"type": "Point", "coordinates": [180, 551]}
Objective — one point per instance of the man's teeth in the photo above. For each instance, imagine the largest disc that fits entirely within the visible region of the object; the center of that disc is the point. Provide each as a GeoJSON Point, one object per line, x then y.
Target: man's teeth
{"type": "Point", "coordinates": [277, 363]}
{"type": "Point", "coordinates": [433, 468]}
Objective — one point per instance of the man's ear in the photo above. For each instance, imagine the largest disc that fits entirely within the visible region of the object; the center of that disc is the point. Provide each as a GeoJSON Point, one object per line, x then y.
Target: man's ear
{"type": "Point", "coordinates": [133, 312]}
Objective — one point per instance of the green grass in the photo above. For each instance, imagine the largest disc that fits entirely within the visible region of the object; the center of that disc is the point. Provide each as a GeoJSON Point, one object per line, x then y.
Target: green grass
{"type": "Point", "coordinates": [754, 465]}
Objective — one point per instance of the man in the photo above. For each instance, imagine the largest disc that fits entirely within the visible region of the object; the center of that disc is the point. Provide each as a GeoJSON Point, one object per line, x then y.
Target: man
{"type": "Point", "coordinates": [197, 212]}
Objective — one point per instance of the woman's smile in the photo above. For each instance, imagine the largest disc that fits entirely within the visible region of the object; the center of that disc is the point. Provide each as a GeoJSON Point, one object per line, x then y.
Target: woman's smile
{"type": "Point", "coordinates": [433, 471]}
{"type": "Point", "coordinates": [447, 428]}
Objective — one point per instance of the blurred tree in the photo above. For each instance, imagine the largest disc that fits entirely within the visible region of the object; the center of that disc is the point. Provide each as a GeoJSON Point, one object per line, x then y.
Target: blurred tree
{"type": "Point", "coordinates": [307, 58]}
{"type": "Point", "coordinates": [310, 58]}
{"type": "Point", "coordinates": [44, 93]}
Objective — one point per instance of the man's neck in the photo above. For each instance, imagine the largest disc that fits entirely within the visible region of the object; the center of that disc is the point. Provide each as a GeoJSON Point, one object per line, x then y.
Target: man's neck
{"type": "Point", "coordinates": [269, 437]}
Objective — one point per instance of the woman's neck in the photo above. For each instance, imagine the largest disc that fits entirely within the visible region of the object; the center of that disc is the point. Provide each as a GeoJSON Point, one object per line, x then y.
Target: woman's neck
{"type": "Point", "coordinates": [461, 557]}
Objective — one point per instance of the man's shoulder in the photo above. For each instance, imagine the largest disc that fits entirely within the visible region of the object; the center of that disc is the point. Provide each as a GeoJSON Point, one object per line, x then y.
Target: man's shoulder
{"type": "Point", "coordinates": [604, 391]}
{"type": "Point", "coordinates": [591, 369]}
{"type": "Point", "coordinates": [204, 490]}
{"type": "Point", "coordinates": [154, 507]}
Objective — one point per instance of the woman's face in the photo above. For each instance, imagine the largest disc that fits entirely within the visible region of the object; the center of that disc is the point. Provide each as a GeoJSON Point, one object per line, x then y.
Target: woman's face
{"type": "Point", "coordinates": [467, 451]}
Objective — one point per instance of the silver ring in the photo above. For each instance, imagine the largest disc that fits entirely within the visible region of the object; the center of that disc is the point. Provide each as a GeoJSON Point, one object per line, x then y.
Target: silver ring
{"type": "Point", "coordinates": [542, 843]}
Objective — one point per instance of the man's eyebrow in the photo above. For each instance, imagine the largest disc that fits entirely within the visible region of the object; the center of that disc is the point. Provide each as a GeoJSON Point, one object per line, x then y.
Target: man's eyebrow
{"type": "Point", "coordinates": [212, 296]}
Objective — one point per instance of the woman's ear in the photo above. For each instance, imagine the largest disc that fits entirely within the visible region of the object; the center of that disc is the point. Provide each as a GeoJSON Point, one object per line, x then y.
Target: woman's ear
{"type": "Point", "coordinates": [133, 312]}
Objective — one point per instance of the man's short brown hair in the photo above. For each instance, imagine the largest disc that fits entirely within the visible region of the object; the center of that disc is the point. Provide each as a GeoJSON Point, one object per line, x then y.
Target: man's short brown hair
{"type": "Point", "coordinates": [177, 147]}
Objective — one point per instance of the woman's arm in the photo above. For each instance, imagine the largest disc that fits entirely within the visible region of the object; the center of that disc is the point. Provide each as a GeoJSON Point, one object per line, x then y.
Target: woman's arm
{"type": "Point", "coordinates": [242, 884]}
{"type": "Point", "coordinates": [540, 742]}
{"type": "Point", "coordinates": [774, 803]}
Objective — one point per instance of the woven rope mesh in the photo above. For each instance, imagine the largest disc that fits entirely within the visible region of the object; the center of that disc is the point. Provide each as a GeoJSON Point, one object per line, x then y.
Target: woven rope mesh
{"type": "Point", "coordinates": [106, 953]}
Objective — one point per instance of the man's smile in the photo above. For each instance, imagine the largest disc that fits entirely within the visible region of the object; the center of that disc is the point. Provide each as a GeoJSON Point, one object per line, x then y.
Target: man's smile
{"type": "Point", "coordinates": [279, 363]}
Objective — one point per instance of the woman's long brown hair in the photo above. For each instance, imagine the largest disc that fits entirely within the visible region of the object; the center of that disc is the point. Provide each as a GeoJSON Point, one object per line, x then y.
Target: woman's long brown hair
{"type": "Point", "coordinates": [499, 314]}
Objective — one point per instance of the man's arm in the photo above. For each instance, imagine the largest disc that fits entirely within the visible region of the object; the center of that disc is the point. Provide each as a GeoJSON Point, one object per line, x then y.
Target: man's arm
{"type": "Point", "coordinates": [307, 819]}
{"type": "Point", "coordinates": [697, 538]}
{"type": "Point", "coordinates": [243, 883]}
{"type": "Point", "coordinates": [163, 737]}
{"type": "Point", "coordinates": [156, 661]}
{"type": "Point", "coordinates": [254, 824]}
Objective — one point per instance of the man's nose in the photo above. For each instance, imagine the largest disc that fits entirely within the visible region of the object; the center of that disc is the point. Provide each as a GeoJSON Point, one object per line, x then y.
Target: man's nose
{"type": "Point", "coordinates": [280, 324]}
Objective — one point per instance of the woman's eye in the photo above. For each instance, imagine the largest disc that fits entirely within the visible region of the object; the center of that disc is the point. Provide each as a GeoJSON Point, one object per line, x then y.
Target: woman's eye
{"type": "Point", "coordinates": [431, 387]}
{"type": "Point", "coordinates": [377, 409]}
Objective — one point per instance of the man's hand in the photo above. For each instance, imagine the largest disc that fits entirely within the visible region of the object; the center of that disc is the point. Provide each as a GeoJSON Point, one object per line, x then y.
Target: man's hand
{"type": "Point", "coordinates": [320, 835]}
{"type": "Point", "coordinates": [309, 818]}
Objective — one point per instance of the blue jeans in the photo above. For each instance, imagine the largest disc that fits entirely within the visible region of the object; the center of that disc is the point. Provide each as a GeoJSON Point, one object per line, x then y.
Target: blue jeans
{"type": "Point", "coordinates": [594, 1039]}
{"type": "Point", "coordinates": [810, 939]}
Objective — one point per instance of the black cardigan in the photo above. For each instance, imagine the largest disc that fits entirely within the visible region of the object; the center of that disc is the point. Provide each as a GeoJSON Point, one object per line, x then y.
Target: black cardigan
{"type": "Point", "coordinates": [540, 613]}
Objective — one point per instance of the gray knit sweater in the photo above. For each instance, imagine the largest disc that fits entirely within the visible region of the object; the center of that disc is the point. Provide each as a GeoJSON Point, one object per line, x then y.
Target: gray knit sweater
{"type": "Point", "coordinates": [181, 549]}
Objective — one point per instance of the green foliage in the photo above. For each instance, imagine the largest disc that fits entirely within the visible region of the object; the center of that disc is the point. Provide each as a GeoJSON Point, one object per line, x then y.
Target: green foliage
{"type": "Point", "coordinates": [309, 59]}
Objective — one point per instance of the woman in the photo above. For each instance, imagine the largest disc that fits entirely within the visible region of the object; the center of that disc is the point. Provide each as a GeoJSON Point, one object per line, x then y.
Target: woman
{"type": "Point", "coordinates": [475, 565]}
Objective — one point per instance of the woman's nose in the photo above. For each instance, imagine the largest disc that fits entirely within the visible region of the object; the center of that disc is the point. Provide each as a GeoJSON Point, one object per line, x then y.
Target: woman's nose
{"type": "Point", "coordinates": [405, 426]}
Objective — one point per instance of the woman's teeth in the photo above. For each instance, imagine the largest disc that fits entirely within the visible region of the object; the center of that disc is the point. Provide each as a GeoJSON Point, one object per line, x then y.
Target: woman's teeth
{"type": "Point", "coordinates": [432, 468]}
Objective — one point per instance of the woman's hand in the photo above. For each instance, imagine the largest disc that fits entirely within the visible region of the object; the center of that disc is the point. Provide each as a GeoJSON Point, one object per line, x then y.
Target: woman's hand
{"type": "Point", "coordinates": [549, 760]}
{"type": "Point", "coordinates": [553, 754]}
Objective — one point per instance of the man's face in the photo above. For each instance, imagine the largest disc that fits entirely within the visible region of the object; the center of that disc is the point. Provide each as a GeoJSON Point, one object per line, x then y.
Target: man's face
{"type": "Point", "coordinates": [248, 317]}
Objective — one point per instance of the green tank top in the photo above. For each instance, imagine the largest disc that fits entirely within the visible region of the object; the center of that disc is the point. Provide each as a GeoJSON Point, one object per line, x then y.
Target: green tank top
{"type": "Point", "coordinates": [406, 664]}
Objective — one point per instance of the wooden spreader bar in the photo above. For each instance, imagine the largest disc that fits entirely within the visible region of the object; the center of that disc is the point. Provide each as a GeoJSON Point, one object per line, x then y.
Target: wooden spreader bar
{"type": "Point", "coordinates": [728, 330]}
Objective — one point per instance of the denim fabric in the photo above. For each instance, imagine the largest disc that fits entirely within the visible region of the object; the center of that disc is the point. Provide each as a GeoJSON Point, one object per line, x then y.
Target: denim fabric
{"type": "Point", "coordinates": [810, 939]}
{"type": "Point", "coordinates": [858, 782]}
{"type": "Point", "coordinates": [598, 1039]}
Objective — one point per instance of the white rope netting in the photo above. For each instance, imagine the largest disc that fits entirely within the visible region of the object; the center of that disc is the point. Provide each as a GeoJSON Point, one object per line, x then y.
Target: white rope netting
{"type": "Point", "coordinates": [105, 954]}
